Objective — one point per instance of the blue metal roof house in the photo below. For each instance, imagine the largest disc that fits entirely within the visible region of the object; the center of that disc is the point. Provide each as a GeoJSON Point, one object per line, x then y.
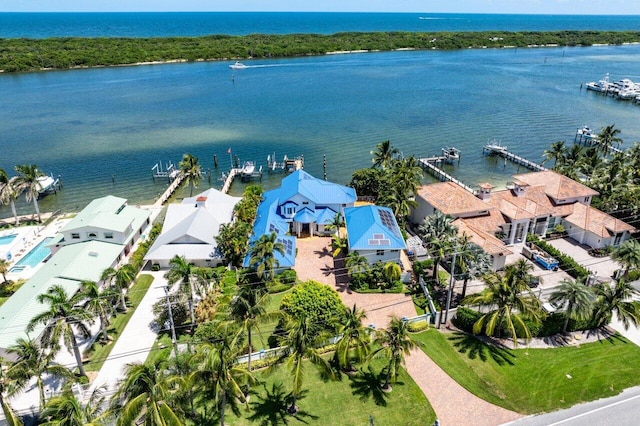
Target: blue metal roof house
{"type": "Point", "coordinates": [302, 204]}
{"type": "Point", "coordinates": [373, 232]}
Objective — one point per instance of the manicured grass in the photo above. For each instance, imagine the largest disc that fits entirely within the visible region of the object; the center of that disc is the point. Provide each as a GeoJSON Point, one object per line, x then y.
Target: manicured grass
{"type": "Point", "coordinates": [99, 351]}
{"type": "Point", "coordinates": [350, 401]}
{"type": "Point", "coordinates": [535, 380]}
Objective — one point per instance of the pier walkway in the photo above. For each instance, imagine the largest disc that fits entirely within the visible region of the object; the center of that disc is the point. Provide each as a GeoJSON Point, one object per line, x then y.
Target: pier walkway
{"type": "Point", "coordinates": [492, 149]}
{"type": "Point", "coordinates": [229, 180]}
{"type": "Point", "coordinates": [441, 175]}
{"type": "Point", "coordinates": [169, 191]}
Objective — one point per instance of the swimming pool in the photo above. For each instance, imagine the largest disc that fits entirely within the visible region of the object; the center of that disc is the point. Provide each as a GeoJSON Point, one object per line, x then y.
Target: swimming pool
{"type": "Point", "coordinates": [7, 239]}
{"type": "Point", "coordinates": [36, 255]}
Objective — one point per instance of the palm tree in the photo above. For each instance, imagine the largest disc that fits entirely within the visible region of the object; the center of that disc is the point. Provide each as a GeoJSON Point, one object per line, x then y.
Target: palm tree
{"type": "Point", "coordinates": [356, 264]}
{"type": "Point", "coordinates": [608, 137]}
{"type": "Point", "coordinates": [556, 152]}
{"type": "Point", "coordinates": [384, 154]}
{"type": "Point", "coordinates": [578, 300]}
{"type": "Point", "coordinates": [8, 194]}
{"type": "Point", "coordinates": [511, 302]}
{"type": "Point", "coordinates": [27, 181]}
{"type": "Point", "coordinates": [336, 223]}
{"type": "Point", "coordinates": [399, 200]}
{"type": "Point", "coordinates": [395, 343]}
{"type": "Point", "coordinates": [248, 308]}
{"type": "Point", "coordinates": [572, 160]}
{"type": "Point", "coordinates": [98, 303]}
{"type": "Point", "coordinates": [33, 360]}
{"type": "Point", "coordinates": [439, 232]}
{"type": "Point", "coordinates": [339, 245]}
{"type": "Point", "coordinates": [181, 270]}
{"type": "Point", "coordinates": [4, 268]}
{"type": "Point", "coordinates": [617, 298]}
{"type": "Point", "coordinates": [120, 279]}
{"type": "Point", "coordinates": [67, 410]}
{"type": "Point", "coordinates": [628, 255]}
{"type": "Point", "coordinates": [300, 344]}
{"type": "Point", "coordinates": [471, 261]}
{"type": "Point", "coordinates": [355, 339]}
{"type": "Point", "coordinates": [262, 255]}
{"type": "Point", "coordinates": [192, 171]}
{"type": "Point", "coordinates": [63, 314]}
{"type": "Point", "coordinates": [7, 387]}
{"type": "Point", "coordinates": [219, 374]}
{"type": "Point", "coordinates": [145, 393]}
{"type": "Point", "coordinates": [590, 162]}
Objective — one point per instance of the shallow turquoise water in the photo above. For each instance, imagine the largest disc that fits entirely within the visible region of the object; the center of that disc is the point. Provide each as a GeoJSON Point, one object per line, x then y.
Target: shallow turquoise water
{"type": "Point", "coordinates": [103, 129]}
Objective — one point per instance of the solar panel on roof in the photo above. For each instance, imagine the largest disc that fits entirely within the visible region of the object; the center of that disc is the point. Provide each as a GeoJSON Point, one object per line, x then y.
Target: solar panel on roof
{"type": "Point", "coordinates": [374, 242]}
{"type": "Point", "coordinates": [387, 220]}
{"type": "Point", "coordinates": [378, 236]}
{"type": "Point", "coordinates": [385, 242]}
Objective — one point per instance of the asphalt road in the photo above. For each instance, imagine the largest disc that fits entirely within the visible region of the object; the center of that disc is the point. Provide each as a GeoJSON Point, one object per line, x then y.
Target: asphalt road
{"type": "Point", "coordinates": [619, 410]}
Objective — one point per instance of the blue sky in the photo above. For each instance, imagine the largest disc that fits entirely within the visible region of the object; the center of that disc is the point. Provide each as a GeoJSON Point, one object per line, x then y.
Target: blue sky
{"type": "Point", "coordinates": [614, 7]}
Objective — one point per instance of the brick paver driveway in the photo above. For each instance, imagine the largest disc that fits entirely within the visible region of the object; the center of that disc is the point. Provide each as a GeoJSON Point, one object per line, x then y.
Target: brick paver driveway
{"type": "Point", "coordinates": [453, 404]}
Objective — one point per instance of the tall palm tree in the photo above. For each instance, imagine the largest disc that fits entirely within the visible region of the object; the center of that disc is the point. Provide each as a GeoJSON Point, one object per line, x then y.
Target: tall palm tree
{"type": "Point", "coordinates": [556, 152]}
{"type": "Point", "coordinates": [221, 378]}
{"type": "Point", "coordinates": [120, 279]}
{"type": "Point", "coordinates": [191, 170]}
{"type": "Point", "coordinates": [67, 410]}
{"type": "Point", "coordinates": [62, 315]}
{"type": "Point", "coordinates": [628, 255]}
{"type": "Point", "coordinates": [395, 343]}
{"type": "Point", "coordinates": [572, 160]}
{"type": "Point", "coordinates": [8, 193]}
{"type": "Point", "coordinates": [262, 255]}
{"type": "Point", "coordinates": [510, 301]}
{"type": "Point", "coordinates": [145, 393]}
{"type": "Point", "coordinates": [299, 344]}
{"type": "Point", "coordinates": [356, 264]}
{"type": "Point", "coordinates": [384, 154]}
{"type": "Point", "coordinates": [392, 272]}
{"type": "Point", "coordinates": [181, 270]}
{"type": "Point", "coordinates": [355, 339]}
{"type": "Point", "coordinates": [399, 200]}
{"type": "Point", "coordinates": [248, 308]}
{"type": "Point", "coordinates": [27, 181]}
{"type": "Point", "coordinates": [336, 223]}
{"type": "Point", "coordinates": [590, 162]}
{"type": "Point", "coordinates": [617, 298]}
{"type": "Point", "coordinates": [33, 360]}
{"type": "Point", "coordinates": [7, 387]}
{"type": "Point", "coordinates": [577, 299]}
{"type": "Point", "coordinates": [471, 261]}
{"type": "Point", "coordinates": [99, 303]}
{"type": "Point", "coordinates": [608, 137]}
{"type": "Point", "coordinates": [439, 232]}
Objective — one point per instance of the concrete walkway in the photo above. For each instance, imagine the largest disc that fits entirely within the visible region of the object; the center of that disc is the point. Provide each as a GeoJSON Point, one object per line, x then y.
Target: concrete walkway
{"type": "Point", "coordinates": [136, 340]}
{"type": "Point", "coordinates": [453, 404]}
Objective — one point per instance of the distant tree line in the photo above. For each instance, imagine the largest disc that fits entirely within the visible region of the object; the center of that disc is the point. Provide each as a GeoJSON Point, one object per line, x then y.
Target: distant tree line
{"type": "Point", "coordinates": [64, 53]}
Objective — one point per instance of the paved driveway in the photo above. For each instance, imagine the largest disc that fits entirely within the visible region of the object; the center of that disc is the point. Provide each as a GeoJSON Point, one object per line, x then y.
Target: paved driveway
{"type": "Point", "coordinates": [315, 262]}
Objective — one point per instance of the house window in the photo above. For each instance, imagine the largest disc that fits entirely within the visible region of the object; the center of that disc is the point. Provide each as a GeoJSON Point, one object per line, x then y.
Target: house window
{"type": "Point", "coordinates": [617, 239]}
{"type": "Point", "coordinates": [289, 210]}
{"type": "Point", "coordinates": [92, 235]}
{"type": "Point", "coordinates": [379, 252]}
{"type": "Point", "coordinates": [108, 235]}
{"type": "Point", "coordinates": [586, 199]}
{"type": "Point", "coordinates": [305, 203]}
{"type": "Point", "coordinates": [75, 236]}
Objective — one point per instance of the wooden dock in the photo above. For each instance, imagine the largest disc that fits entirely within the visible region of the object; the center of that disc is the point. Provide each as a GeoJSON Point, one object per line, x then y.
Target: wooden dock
{"type": "Point", "coordinates": [169, 191]}
{"type": "Point", "coordinates": [428, 165]}
{"type": "Point", "coordinates": [586, 137]}
{"type": "Point", "coordinates": [493, 149]}
{"type": "Point", "coordinates": [229, 179]}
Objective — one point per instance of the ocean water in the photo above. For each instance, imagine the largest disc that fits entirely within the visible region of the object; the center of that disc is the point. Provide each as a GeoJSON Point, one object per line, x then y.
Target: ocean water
{"type": "Point", "coordinates": [42, 25]}
{"type": "Point", "coordinates": [103, 129]}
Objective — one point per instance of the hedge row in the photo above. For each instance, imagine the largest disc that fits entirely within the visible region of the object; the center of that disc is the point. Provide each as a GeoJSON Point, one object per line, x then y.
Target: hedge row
{"type": "Point", "coordinates": [566, 262]}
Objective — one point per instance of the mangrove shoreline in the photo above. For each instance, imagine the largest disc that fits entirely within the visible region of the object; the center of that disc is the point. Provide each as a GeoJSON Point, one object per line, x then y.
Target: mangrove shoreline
{"type": "Point", "coordinates": [21, 55]}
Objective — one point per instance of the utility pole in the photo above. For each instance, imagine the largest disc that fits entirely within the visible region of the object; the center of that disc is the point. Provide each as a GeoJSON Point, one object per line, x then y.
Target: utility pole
{"type": "Point", "coordinates": [450, 290]}
{"type": "Point", "coordinates": [174, 341]}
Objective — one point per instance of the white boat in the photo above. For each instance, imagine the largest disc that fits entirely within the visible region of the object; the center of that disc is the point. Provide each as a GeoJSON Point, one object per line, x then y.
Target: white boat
{"type": "Point", "coordinates": [47, 184]}
{"type": "Point", "coordinates": [586, 132]}
{"type": "Point", "coordinates": [451, 154]}
{"type": "Point", "coordinates": [601, 85]}
{"type": "Point", "coordinates": [248, 170]}
{"type": "Point", "coordinates": [237, 66]}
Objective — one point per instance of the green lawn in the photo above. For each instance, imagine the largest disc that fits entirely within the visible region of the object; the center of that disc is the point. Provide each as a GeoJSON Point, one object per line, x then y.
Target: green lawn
{"type": "Point", "coordinates": [535, 380]}
{"type": "Point", "coordinates": [350, 401]}
{"type": "Point", "coordinates": [99, 352]}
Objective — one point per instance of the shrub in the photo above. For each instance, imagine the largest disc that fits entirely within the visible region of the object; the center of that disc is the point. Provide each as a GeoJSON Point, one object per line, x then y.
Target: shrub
{"type": "Point", "coordinates": [418, 326]}
{"type": "Point", "coordinates": [179, 310]}
{"type": "Point", "coordinates": [566, 263]}
{"type": "Point", "coordinates": [288, 276]}
{"type": "Point", "coordinates": [465, 318]}
{"type": "Point", "coordinates": [320, 303]}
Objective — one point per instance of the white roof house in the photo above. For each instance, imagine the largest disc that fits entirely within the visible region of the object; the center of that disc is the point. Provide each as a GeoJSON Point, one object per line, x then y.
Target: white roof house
{"type": "Point", "coordinates": [190, 229]}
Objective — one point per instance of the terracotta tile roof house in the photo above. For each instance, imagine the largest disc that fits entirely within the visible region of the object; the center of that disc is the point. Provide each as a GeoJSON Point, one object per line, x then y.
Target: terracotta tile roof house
{"type": "Point", "coordinates": [535, 203]}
